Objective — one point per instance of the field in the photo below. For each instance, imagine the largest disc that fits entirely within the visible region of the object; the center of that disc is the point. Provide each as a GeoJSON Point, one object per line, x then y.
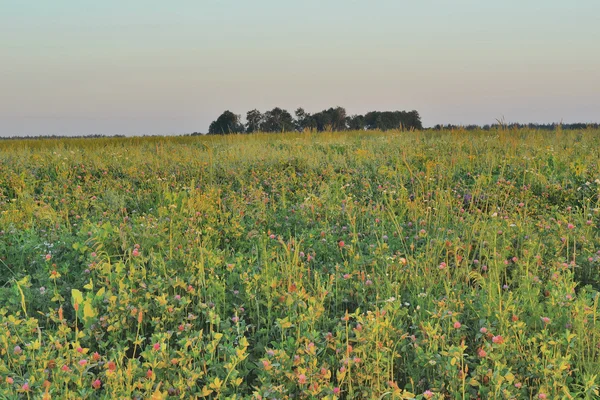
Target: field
{"type": "Point", "coordinates": [427, 265]}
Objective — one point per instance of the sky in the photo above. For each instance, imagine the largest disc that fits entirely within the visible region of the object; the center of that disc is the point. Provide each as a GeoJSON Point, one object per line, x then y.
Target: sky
{"type": "Point", "coordinates": [147, 67]}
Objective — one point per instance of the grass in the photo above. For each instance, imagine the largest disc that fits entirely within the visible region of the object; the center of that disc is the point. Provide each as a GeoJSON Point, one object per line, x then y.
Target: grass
{"type": "Point", "coordinates": [356, 265]}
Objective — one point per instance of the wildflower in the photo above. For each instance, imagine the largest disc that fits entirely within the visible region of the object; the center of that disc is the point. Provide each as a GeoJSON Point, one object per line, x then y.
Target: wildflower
{"type": "Point", "coordinates": [341, 243]}
{"type": "Point", "coordinates": [83, 362]}
{"type": "Point", "coordinates": [135, 252]}
{"type": "Point", "coordinates": [235, 319]}
{"type": "Point", "coordinates": [570, 226]}
{"type": "Point", "coordinates": [65, 368]}
{"type": "Point", "coordinates": [457, 325]}
{"type": "Point", "coordinates": [17, 350]}
{"type": "Point", "coordinates": [156, 346]}
{"type": "Point", "coordinates": [9, 380]}
{"type": "Point", "coordinates": [336, 390]}
{"type": "Point", "coordinates": [428, 394]}
{"type": "Point", "coordinates": [96, 356]}
{"type": "Point", "coordinates": [518, 385]}
{"type": "Point", "coordinates": [515, 318]}
{"type": "Point", "coordinates": [48, 257]}
{"type": "Point", "coordinates": [96, 384]}
{"type": "Point", "coordinates": [25, 387]}
{"type": "Point", "coordinates": [442, 265]}
{"type": "Point", "coordinates": [149, 374]}
{"type": "Point", "coordinates": [302, 379]}
{"type": "Point", "coordinates": [545, 320]}
{"type": "Point", "coordinates": [481, 353]}
{"type": "Point", "coordinates": [542, 396]}
{"type": "Point", "coordinates": [111, 366]}
{"type": "Point", "coordinates": [498, 339]}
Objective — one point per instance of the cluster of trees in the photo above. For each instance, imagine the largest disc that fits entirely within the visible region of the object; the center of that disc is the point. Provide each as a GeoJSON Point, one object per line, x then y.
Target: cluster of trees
{"type": "Point", "coordinates": [332, 119]}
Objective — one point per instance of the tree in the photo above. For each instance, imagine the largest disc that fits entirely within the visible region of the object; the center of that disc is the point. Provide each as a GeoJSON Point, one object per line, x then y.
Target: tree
{"type": "Point", "coordinates": [355, 122]}
{"type": "Point", "coordinates": [333, 119]}
{"type": "Point", "coordinates": [413, 120]}
{"type": "Point", "coordinates": [371, 119]}
{"type": "Point", "coordinates": [227, 122]}
{"type": "Point", "coordinates": [254, 119]}
{"type": "Point", "coordinates": [304, 120]}
{"type": "Point", "coordinates": [277, 120]}
{"type": "Point", "coordinates": [322, 121]}
{"type": "Point", "coordinates": [387, 120]}
{"type": "Point", "coordinates": [338, 118]}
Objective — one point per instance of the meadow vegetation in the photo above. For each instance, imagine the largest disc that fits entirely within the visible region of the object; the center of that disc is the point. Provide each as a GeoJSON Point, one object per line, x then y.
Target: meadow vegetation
{"type": "Point", "coordinates": [353, 265]}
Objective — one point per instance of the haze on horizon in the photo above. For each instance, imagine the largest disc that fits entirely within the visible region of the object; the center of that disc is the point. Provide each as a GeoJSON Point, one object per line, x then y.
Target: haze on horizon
{"type": "Point", "coordinates": [151, 67]}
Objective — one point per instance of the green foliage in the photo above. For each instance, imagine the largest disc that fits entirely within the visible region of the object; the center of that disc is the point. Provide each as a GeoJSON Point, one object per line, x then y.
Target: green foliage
{"type": "Point", "coordinates": [227, 122]}
{"type": "Point", "coordinates": [356, 265]}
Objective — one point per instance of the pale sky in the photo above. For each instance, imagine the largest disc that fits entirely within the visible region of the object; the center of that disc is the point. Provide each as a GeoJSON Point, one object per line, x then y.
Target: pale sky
{"type": "Point", "coordinates": [139, 67]}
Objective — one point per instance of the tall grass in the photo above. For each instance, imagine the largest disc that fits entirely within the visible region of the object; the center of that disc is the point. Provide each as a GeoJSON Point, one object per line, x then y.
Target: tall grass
{"type": "Point", "coordinates": [334, 265]}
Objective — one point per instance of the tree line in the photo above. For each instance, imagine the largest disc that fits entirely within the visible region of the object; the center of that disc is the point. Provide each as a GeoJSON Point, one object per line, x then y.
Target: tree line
{"type": "Point", "coordinates": [332, 119]}
{"type": "Point", "coordinates": [516, 125]}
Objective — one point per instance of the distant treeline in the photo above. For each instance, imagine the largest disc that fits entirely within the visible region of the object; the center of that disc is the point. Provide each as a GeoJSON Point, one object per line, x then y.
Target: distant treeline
{"type": "Point", "coordinates": [332, 119]}
{"type": "Point", "coordinates": [543, 127]}
{"type": "Point", "coordinates": [95, 136]}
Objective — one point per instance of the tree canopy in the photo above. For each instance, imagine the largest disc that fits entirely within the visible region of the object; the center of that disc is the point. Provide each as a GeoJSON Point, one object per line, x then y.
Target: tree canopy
{"type": "Point", "coordinates": [227, 122]}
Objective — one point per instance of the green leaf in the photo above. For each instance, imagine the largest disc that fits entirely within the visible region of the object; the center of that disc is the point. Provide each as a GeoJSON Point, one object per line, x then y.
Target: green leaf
{"type": "Point", "coordinates": [88, 311]}
{"type": "Point", "coordinates": [77, 296]}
